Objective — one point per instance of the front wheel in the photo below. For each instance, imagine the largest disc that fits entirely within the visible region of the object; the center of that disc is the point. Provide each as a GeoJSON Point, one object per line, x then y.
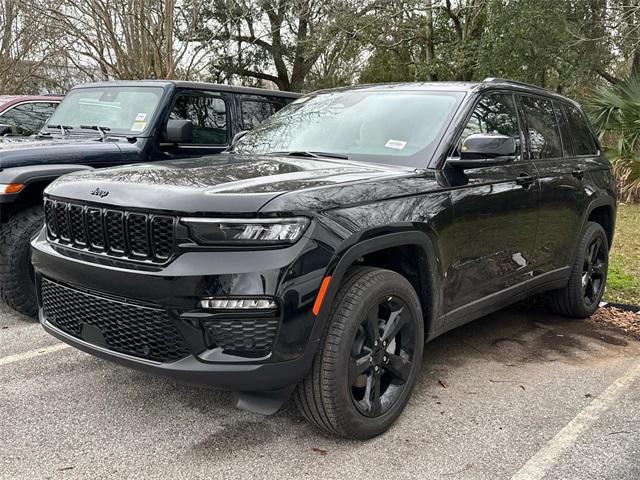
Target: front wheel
{"type": "Point", "coordinates": [369, 356]}
{"type": "Point", "coordinates": [17, 283]}
{"type": "Point", "coordinates": [581, 297]}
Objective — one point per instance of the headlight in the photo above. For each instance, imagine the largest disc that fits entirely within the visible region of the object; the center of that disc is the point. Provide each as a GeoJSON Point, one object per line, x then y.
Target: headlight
{"type": "Point", "coordinates": [241, 231]}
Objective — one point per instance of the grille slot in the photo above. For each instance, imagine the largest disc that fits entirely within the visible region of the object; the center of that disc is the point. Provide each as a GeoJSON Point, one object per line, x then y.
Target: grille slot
{"type": "Point", "coordinates": [250, 335]}
{"type": "Point", "coordinates": [138, 229]}
{"type": "Point", "coordinates": [112, 232]}
{"type": "Point", "coordinates": [131, 329]}
{"type": "Point", "coordinates": [115, 230]}
{"type": "Point", "coordinates": [62, 221]}
{"type": "Point", "coordinates": [50, 219]}
{"type": "Point", "coordinates": [76, 215]}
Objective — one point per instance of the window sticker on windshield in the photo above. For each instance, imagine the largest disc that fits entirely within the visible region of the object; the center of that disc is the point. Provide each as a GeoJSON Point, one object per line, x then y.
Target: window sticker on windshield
{"type": "Point", "coordinates": [138, 126]}
{"type": "Point", "coordinates": [141, 117]}
{"type": "Point", "coordinates": [397, 144]}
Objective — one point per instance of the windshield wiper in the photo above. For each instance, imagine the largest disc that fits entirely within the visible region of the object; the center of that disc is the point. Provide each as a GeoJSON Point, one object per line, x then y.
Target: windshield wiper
{"type": "Point", "coordinates": [99, 129]}
{"type": "Point", "coordinates": [64, 129]}
{"type": "Point", "coordinates": [305, 153]}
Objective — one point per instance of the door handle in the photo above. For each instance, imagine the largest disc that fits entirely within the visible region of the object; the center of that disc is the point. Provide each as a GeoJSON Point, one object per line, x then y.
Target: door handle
{"type": "Point", "coordinates": [525, 180]}
{"type": "Point", "coordinates": [579, 174]}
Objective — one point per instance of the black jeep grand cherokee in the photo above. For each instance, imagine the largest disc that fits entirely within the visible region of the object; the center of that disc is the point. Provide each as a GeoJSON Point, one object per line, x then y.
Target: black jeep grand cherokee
{"type": "Point", "coordinates": [334, 240]}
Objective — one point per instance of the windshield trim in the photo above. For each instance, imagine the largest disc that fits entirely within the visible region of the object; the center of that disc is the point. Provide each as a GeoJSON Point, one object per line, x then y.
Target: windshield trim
{"type": "Point", "coordinates": [420, 159]}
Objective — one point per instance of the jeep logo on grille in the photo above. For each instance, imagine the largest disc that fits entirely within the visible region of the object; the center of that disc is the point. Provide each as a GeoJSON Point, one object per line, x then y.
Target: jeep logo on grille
{"type": "Point", "coordinates": [100, 193]}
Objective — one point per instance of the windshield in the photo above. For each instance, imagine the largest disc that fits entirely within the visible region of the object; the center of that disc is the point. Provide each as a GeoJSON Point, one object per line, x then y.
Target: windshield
{"type": "Point", "coordinates": [396, 127]}
{"type": "Point", "coordinates": [125, 110]}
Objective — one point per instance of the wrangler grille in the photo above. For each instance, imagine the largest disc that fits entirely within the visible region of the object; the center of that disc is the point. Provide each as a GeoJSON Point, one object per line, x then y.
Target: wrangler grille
{"type": "Point", "coordinates": [135, 330]}
{"type": "Point", "coordinates": [113, 232]}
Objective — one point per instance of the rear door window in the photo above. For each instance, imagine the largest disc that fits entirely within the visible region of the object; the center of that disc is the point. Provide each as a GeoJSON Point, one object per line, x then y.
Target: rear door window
{"type": "Point", "coordinates": [542, 128]}
{"type": "Point", "coordinates": [565, 130]}
{"type": "Point", "coordinates": [207, 113]}
{"type": "Point", "coordinates": [582, 138]}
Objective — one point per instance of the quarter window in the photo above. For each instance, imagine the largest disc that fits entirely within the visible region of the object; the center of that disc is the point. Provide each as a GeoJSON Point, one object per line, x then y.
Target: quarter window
{"type": "Point", "coordinates": [255, 111]}
{"type": "Point", "coordinates": [544, 139]}
{"type": "Point", "coordinates": [494, 114]}
{"type": "Point", "coordinates": [582, 138]}
{"type": "Point", "coordinates": [208, 115]}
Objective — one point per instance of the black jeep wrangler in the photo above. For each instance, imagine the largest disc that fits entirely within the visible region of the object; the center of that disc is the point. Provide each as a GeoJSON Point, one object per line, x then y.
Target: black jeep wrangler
{"type": "Point", "coordinates": [335, 239]}
{"type": "Point", "coordinates": [106, 124]}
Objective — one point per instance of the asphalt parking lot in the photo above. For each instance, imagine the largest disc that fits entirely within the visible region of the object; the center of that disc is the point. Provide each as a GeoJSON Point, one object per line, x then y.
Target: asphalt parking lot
{"type": "Point", "coordinates": [518, 394]}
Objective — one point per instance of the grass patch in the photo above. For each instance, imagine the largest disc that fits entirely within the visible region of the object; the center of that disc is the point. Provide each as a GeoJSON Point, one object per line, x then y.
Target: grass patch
{"type": "Point", "coordinates": [623, 281]}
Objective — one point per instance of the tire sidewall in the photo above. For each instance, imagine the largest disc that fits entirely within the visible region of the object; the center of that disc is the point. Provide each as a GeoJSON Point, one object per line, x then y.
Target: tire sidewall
{"type": "Point", "coordinates": [396, 285]}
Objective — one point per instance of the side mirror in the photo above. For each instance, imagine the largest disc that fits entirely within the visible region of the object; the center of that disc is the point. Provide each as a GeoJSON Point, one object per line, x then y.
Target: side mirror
{"type": "Point", "coordinates": [485, 150]}
{"type": "Point", "coordinates": [179, 131]}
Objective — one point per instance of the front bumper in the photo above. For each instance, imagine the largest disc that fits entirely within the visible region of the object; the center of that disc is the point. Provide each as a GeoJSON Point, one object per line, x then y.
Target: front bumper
{"type": "Point", "coordinates": [173, 292]}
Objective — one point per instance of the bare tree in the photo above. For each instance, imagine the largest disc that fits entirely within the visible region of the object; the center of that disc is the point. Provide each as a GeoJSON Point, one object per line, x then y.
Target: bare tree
{"type": "Point", "coordinates": [25, 45]}
{"type": "Point", "coordinates": [132, 39]}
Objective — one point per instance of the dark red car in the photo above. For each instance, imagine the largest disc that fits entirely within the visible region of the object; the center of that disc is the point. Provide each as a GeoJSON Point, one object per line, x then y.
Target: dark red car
{"type": "Point", "coordinates": [26, 114]}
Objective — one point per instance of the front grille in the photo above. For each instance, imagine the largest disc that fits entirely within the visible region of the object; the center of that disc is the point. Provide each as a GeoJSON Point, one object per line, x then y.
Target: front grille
{"type": "Point", "coordinates": [248, 335]}
{"type": "Point", "coordinates": [132, 329]}
{"type": "Point", "coordinates": [113, 232]}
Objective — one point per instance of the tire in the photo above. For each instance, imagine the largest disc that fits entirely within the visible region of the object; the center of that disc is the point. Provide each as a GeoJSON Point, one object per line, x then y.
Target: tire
{"type": "Point", "coordinates": [578, 300]}
{"type": "Point", "coordinates": [335, 394]}
{"type": "Point", "coordinates": [17, 285]}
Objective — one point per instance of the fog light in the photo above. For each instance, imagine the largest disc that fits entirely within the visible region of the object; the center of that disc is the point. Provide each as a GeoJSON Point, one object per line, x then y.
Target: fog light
{"type": "Point", "coordinates": [238, 303]}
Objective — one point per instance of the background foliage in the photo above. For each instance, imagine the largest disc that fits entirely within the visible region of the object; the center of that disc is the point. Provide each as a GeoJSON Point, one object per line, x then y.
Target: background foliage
{"type": "Point", "coordinates": [586, 49]}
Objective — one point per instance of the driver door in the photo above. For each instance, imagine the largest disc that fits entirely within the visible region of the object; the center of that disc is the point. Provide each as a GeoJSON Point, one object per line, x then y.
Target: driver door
{"type": "Point", "coordinates": [495, 216]}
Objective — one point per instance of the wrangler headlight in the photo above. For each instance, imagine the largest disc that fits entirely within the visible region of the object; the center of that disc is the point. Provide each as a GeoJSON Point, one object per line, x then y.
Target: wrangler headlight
{"type": "Point", "coordinates": [246, 231]}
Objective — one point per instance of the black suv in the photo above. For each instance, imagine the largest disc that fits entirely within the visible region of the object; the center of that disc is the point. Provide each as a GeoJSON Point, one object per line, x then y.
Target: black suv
{"type": "Point", "coordinates": [107, 124]}
{"type": "Point", "coordinates": [319, 255]}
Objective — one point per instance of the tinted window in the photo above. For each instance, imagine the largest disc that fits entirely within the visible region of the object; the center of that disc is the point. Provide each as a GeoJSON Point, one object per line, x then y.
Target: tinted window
{"type": "Point", "coordinates": [255, 111]}
{"type": "Point", "coordinates": [208, 115]}
{"type": "Point", "coordinates": [584, 143]}
{"type": "Point", "coordinates": [28, 118]}
{"type": "Point", "coordinates": [494, 114]}
{"type": "Point", "coordinates": [565, 130]}
{"type": "Point", "coordinates": [544, 139]}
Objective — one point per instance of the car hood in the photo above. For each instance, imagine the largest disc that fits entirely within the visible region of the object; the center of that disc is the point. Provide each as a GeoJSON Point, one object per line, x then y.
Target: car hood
{"type": "Point", "coordinates": [216, 184]}
{"type": "Point", "coordinates": [24, 151]}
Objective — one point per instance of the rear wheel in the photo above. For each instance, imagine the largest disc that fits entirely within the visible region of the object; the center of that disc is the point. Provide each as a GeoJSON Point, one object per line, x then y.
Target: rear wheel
{"type": "Point", "coordinates": [582, 295]}
{"type": "Point", "coordinates": [369, 356]}
{"type": "Point", "coordinates": [17, 283]}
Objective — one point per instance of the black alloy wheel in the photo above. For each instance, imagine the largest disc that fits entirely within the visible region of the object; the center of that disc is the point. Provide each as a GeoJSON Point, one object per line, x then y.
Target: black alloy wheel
{"type": "Point", "coordinates": [382, 356]}
{"type": "Point", "coordinates": [593, 271]}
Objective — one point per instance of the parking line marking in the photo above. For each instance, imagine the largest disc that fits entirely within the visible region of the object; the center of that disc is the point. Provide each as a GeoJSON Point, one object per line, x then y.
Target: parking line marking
{"type": "Point", "coordinates": [538, 465]}
{"type": "Point", "coordinates": [32, 353]}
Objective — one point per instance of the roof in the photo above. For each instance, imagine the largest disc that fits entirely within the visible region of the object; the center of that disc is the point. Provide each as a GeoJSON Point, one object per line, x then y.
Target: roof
{"type": "Point", "coordinates": [486, 84]}
{"type": "Point", "coordinates": [190, 85]}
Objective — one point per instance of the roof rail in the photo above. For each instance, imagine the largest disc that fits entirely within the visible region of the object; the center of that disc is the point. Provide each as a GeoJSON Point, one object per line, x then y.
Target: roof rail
{"type": "Point", "coordinates": [513, 82]}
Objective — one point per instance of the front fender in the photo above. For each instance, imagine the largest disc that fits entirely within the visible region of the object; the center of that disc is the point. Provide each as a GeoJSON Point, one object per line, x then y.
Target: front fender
{"type": "Point", "coordinates": [32, 174]}
{"type": "Point", "coordinates": [348, 257]}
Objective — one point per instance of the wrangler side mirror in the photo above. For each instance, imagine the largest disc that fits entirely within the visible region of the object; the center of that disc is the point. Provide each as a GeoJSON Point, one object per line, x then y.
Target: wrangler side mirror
{"type": "Point", "coordinates": [179, 131]}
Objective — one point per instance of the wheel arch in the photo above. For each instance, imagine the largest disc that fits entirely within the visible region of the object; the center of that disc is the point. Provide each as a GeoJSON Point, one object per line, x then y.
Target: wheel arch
{"type": "Point", "coordinates": [369, 252]}
{"type": "Point", "coordinates": [35, 179]}
{"type": "Point", "coordinates": [602, 211]}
